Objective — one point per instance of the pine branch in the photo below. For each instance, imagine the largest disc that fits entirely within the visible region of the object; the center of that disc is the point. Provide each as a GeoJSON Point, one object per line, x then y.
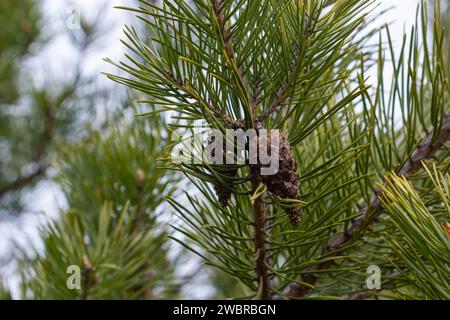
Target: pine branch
{"type": "Point", "coordinates": [39, 153]}
{"type": "Point", "coordinates": [226, 35]}
{"type": "Point", "coordinates": [21, 182]}
{"type": "Point", "coordinates": [259, 211]}
{"type": "Point", "coordinates": [88, 277]}
{"type": "Point", "coordinates": [426, 150]}
{"type": "Point", "coordinates": [230, 86]}
{"type": "Point", "coordinates": [283, 89]}
{"type": "Point", "coordinates": [296, 62]}
{"type": "Point", "coordinates": [45, 139]}
{"type": "Point", "coordinates": [236, 124]}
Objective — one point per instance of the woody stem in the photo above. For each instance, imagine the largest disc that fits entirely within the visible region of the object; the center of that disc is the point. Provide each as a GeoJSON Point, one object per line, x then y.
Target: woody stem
{"type": "Point", "coordinates": [260, 214]}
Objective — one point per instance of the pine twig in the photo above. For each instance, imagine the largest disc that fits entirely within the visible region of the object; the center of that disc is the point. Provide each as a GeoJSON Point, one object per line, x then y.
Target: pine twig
{"type": "Point", "coordinates": [259, 211]}
{"type": "Point", "coordinates": [226, 35]}
{"type": "Point", "coordinates": [45, 139]}
{"type": "Point", "coordinates": [236, 124]}
{"type": "Point", "coordinates": [21, 182]}
{"type": "Point", "coordinates": [370, 214]}
{"type": "Point", "coordinates": [283, 89]}
{"type": "Point", "coordinates": [38, 156]}
{"type": "Point", "coordinates": [88, 277]}
{"type": "Point", "coordinates": [296, 62]}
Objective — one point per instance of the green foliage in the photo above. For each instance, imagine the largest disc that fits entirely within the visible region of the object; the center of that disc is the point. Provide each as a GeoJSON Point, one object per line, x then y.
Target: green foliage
{"type": "Point", "coordinates": [116, 260]}
{"type": "Point", "coordinates": [300, 67]}
{"type": "Point", "coordinates": [116, 166]}
{"type": "Point", "coordinates": [4, 293]}
{"type": "Point", "coordinates": [421, 243]}
{"type": "Point", "coordinates": [212, 70]}
{"type": "Point", "coordinates": [187, 65]}
{"type": "Point", "coordinates": [20, 28]}
{"type": "Point", "coordinates": [33, 118]}
{"type": "Point", "coordinates": [113, 228]}
{"type": "Point", "coordinates": [396, 114]}
{"type": "Point", "coordinates": [359, 143]}
{"type": "Point", "coordinates": [115, 193]}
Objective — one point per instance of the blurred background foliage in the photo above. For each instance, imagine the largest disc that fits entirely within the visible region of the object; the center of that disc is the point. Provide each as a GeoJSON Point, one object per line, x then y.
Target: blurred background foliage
{"type": "Point", "coordinates": [50, 130]}
{"type": "Point", "coordinates": [14, 47]}
{"type": "Point", "coordinates": [115, 191]}
{"type": "Point", "coordinates": [34, 116]}
{"type": "Point", "coordinates": [21, 27]}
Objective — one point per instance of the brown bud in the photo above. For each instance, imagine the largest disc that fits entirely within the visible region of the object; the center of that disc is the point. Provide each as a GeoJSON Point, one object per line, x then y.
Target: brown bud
{"type": "Point", "coordinates": [86, 263]}
{"type": "Point", "coordinates": [89, 271]}
{"type": "Point", "coordinates": [140, 177]}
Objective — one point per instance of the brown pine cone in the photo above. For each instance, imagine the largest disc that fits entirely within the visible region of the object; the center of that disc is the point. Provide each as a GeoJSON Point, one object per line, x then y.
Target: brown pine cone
{"type": "Point", "coordinates": [223, 193]}
{"type": "Point", "coordinates": [285, 183]}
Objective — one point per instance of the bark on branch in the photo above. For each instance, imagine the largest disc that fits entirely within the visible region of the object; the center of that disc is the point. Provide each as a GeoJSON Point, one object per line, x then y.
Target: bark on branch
{"type": "Point", "coordinates": [260, 215]}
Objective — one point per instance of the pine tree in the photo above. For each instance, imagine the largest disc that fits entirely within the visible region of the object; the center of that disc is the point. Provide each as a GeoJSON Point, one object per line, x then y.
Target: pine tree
{"type": "Point", "coordinates": [353, 149]}
{"type": "Point", "coordinates": [362, 184]}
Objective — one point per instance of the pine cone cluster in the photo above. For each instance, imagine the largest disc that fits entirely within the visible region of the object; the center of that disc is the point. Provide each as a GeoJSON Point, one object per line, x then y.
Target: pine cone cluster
{"type": "Point", "coordinates": [284, 183]}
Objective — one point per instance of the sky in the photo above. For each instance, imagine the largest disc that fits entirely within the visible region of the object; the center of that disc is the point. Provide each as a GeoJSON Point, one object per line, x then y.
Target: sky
{"type": "Point", "coordinates": [60, 53]}
{"type": "Point", "coordinates": [402, 15]}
